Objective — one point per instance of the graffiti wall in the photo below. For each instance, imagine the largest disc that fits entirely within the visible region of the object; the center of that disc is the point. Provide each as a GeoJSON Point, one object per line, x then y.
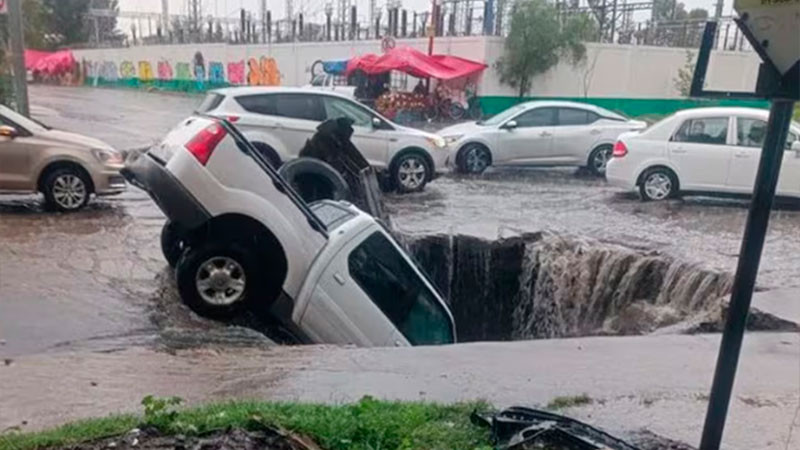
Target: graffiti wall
{"type": "Point", "coordinates": [194, 73]}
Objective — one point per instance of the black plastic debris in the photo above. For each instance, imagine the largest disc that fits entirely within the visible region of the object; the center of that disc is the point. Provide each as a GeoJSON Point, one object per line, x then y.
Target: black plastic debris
{"type": "Point", "coordinates": [521, 428]}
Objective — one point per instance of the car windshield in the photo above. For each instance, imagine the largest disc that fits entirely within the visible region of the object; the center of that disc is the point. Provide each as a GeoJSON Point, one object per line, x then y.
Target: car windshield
{"type": "Point", "coordinates": [29, 124]}
{"type": "Point", "coordinates": [503, 116]}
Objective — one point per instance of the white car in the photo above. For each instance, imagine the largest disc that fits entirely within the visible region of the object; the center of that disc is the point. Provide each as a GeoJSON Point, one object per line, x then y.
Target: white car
{"type": "Point", "coordinates": [240, 237]}
{"type": "Point", "coordinates": [550, 133]}
{"type": "Point", "coordinates": [278, 121]}
{"type": "Point", "coordinates": [709, 150]}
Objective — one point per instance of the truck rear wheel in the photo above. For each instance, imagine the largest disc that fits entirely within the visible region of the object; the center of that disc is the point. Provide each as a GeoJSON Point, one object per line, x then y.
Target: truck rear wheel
{"type": "Point", "coordinates": [172, 243]}
{"type": "Point", "coordinates": [218, 280]}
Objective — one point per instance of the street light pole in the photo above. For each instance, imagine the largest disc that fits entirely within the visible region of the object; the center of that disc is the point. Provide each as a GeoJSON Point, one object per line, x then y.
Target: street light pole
{"type": "Point", "coordinates": [20, 78]}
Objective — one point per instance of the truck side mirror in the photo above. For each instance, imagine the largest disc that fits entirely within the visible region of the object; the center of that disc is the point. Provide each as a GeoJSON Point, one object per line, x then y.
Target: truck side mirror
{"type": "Point", "coordinates": [8, 131]}
{"type": "Point", "coordinates": [796, 147]}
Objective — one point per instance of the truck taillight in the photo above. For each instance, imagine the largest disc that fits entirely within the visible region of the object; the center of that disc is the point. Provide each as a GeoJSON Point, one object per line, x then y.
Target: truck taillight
{"type": "Point", "coordinates": [204, 142]}
{"type": "Point", "coordinates": [620, 150]}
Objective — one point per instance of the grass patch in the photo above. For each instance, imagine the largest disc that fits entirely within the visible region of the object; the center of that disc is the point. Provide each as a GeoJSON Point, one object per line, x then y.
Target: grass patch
{"type": "Point", "coordinates": [569, 401]}
{"type": "Point", "coordinates": [368, 424]}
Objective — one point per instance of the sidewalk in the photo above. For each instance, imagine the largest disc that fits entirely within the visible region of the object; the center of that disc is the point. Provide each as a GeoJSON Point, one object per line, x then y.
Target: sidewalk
{"type": "Point", "coordinates": [655, 382]}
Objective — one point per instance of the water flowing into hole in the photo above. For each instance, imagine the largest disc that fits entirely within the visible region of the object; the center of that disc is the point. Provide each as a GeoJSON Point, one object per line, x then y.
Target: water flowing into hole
{"type": "Point", "coordinates": [541, 285]}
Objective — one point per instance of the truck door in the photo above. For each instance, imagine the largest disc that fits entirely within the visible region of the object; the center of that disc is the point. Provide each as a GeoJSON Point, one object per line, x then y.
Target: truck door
{"type": "Point", "coordinates": [340, 312]}
{"type": "Point", "coordinates": [392, 282]}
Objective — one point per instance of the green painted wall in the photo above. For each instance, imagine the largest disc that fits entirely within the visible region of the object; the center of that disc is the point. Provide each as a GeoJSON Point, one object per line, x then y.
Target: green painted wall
{"type": "Point", "coordinates": [164, 85]}
{"type": "Point", "coordinates": [632, 107]}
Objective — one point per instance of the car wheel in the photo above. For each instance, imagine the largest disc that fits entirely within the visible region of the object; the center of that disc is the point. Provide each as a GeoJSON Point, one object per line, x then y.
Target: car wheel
{"type": "Point", "coordinates": [66, 189]}
{"type": "Point", "coordinates": [599, 158]}
{"type": "Point", "coordinates": [218, 280]}
{"type": "Point", "coordinates": [658, 184]}
{"type": "Point", "coordinates": [172, 244]}
{"type": "Point", "coordinates": [474, 158]}
{"type": "Point", "coordinates": [410, 172]}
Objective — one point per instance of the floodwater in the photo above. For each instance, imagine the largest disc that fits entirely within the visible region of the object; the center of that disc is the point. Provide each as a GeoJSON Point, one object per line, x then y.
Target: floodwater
{"type": "Point", "coordinates": [97, 279]}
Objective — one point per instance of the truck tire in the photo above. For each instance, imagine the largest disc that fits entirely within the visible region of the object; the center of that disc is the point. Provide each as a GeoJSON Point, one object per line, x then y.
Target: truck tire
{"type": "Point", "coordinates": [315, 180]}
{"type": "Point", "coordinates": [219, 279]}
{"type": "Point", "coordinates": [172, 244]}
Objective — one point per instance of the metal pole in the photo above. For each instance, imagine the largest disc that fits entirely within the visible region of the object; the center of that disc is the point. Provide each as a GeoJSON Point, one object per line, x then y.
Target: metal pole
{"type": "Point", "coordinates": [432, 27]}
{"type": "Point", "coordinates": [749, 258]}
{"type": "Point", "coordinates": [20, 78]}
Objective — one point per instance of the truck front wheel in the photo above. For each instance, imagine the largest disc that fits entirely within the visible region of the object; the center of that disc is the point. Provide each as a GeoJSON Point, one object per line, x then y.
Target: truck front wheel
{"type": "Point", "coordinates": [218, 280]}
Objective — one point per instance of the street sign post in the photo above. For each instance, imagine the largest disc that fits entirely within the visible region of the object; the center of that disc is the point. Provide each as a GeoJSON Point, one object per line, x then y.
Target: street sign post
{"type": "Point", "coordinates": [771, 27]}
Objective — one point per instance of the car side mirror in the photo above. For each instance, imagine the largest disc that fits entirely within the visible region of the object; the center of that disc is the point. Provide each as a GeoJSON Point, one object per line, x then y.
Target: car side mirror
{"type": "Point", "coordinates": [510, 125]}
{"type": "Point", "coordinates": [8, 131]}
{"type": "Point", "coordinates": [377, 123]}
{"type": "Point", "coordinates": [796, 147]}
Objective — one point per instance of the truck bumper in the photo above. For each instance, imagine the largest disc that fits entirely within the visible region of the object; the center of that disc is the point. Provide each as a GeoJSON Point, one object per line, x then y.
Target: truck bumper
{"type": "Point", "coordinates": [150, 174]}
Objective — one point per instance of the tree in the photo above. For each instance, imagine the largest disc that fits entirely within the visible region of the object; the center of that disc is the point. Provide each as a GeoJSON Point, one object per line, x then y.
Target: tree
{"type": "Point", "coordinates": [538, 40]}
{"type": "Point", "coordinates": [66, 20]}
{"type": "Point", "coordinates": [683, 81]}
{"type": "Point", "coordinates": [34, 16]}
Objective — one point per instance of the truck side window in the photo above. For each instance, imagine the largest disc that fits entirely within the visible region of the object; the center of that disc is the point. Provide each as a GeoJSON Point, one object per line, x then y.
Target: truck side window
{"type": "Point", "coordinates": [394, 286]}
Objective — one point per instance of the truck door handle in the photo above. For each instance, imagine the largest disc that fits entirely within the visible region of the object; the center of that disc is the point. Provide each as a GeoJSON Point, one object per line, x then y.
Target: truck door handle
{"type": "Point", "coordinates": [545, 134]}
{"type": "Point", "coordinates": [678, 150]}
{"type": "Point", "coordinates": [741, 154]}
{"type": "Point", "coordinates": [339, 278]}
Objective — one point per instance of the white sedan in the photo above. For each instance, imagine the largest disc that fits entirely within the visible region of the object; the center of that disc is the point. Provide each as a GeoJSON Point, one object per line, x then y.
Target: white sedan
{"type": "Point", "coordinates": [548, 133]}
{"type": "Point", "coordinates": [703, 150]}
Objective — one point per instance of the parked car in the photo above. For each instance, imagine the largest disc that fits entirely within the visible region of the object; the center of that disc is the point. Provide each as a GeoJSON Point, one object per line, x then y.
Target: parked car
{"type": "Point", "coordinates": [66, 167]}
{"type": "Point", "coordinates": [278, 121]}
{"type": "Point", "coordinates": [708, 150]}
{"type": "Point", "coordinates": [548, 133]}
{"type": "Point", "coordinates": [327, 82]}
{"type": "Point", "coordinates": [242, 238]}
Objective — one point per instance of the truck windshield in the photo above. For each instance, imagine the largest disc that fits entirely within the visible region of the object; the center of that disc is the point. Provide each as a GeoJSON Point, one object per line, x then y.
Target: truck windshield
{"type": "Point", "coordinates": [399, 291]}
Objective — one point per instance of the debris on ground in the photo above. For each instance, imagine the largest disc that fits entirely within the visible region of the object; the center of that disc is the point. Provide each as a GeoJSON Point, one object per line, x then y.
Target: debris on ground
{"type": "Point", "coordinates": [521, 428]}
{"type": "Point", "coordinates": [267, 438]}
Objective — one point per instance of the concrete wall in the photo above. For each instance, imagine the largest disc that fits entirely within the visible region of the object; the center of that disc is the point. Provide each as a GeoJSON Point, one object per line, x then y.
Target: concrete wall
{"type": "Point", "coordinates": [617, 71]}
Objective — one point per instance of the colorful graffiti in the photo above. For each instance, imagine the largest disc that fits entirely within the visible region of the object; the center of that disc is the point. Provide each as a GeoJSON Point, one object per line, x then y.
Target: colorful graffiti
{"type": "Point", "coordinates": [216, 73]}
{"type": "Point", "coordinates": [236, 72]}
{"type": "Point", "coordinates": [164, 70]}
{"type": "Point", "coordinates": [263, 72]}
{"type": "Point", "coordinates": [182, 71]}
{"type": "Point", "coordinates": [145, 71]}
{"type": "Point", "coordinates": [193, 75]}
{"type": "Point", "coordinates": [127, 70]}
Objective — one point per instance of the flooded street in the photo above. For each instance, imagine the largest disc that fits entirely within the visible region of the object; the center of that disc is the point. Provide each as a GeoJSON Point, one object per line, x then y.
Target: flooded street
{"type": "Point", "coordinates": [97, 278]}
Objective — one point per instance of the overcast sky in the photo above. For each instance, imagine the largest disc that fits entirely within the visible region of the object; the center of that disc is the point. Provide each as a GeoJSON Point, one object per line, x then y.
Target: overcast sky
{"type": "Point", "coordinates": [314, 9]}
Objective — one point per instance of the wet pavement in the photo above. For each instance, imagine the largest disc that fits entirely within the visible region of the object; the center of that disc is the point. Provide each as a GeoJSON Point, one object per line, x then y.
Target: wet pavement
{"type": "Point", "coordinates": [90, 278]}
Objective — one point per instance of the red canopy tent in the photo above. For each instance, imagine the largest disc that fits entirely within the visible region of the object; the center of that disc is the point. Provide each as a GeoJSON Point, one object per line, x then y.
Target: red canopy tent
{"type": "Point", "coordinates": [415, 63]}
{"type": "Point", "coordinates": [51, 63]}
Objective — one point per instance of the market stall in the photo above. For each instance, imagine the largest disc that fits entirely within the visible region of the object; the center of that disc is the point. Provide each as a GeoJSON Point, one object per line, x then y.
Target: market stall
{"type": "Point", "coordinates": [453, 96]}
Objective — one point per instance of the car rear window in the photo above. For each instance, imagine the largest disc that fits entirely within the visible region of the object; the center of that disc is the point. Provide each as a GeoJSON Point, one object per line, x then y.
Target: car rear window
{"type": "Point", "coordinates": [210, 103]}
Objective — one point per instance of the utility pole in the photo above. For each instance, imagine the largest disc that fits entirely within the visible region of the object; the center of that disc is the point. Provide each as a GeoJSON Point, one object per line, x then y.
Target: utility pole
{"type": "Point", "coordinates": [718, 12]}
{"type": "Point", "coordinates": [263, 21]}
{"type": "Point", "coordinates": [165, 16]}
{"type": "Point", "coordinates": [20, 78]}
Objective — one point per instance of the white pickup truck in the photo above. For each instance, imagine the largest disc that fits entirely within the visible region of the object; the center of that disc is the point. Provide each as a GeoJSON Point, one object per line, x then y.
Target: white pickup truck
{"type": "Point", "coordinates": [239, 237]}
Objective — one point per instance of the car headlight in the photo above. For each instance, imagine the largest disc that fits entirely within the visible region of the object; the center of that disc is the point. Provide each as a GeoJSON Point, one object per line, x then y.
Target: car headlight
{"type": "Point", "coordinates": [438, 141]}
{"type": "Point", "coordinates": [453, 138]}
{"type": "Point", "coordinates": [106, 156]}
